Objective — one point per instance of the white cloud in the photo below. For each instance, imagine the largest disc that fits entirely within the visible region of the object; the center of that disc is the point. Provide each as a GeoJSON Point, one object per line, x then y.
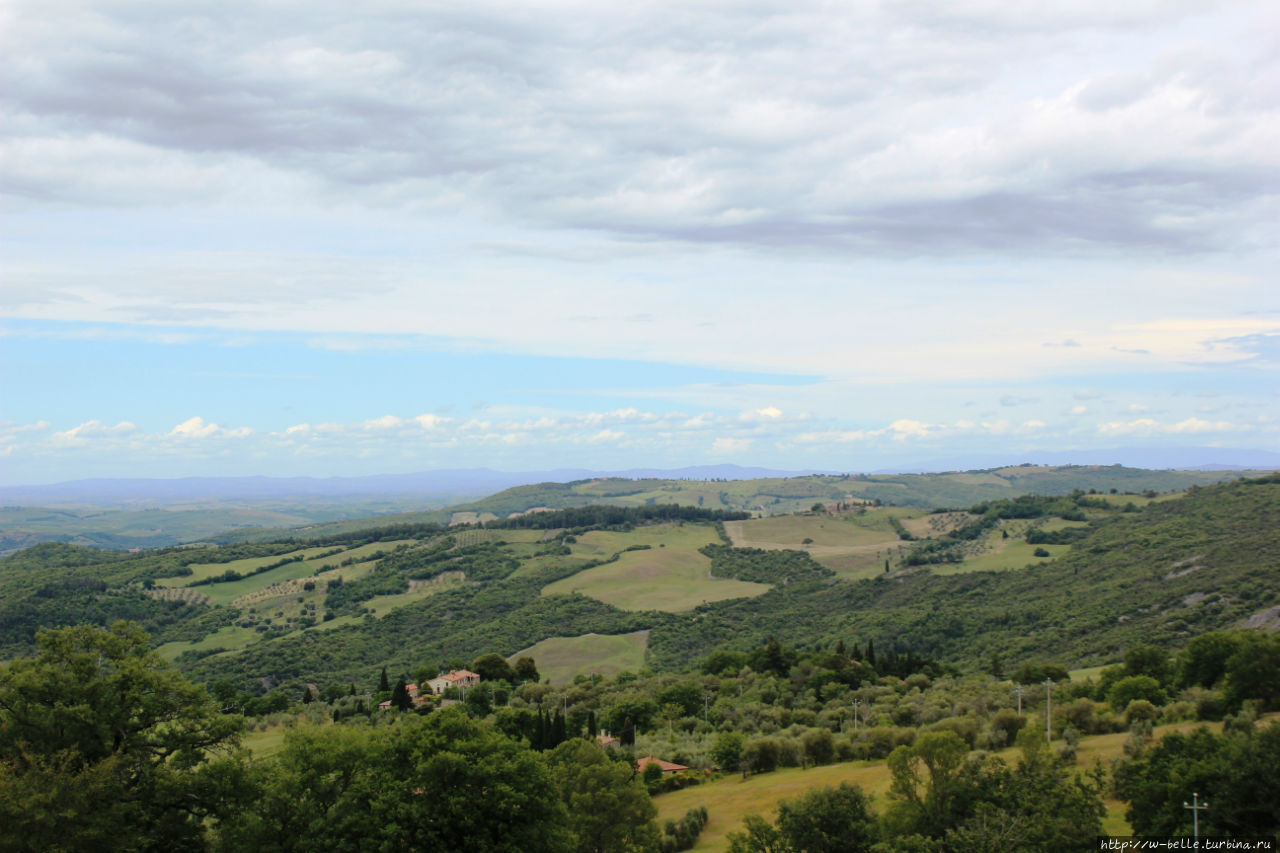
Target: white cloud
{"type": "Point", "coordinates": [1149, 426]}
{"type": "Point", "coordinates": [197, 428]}
{"type": "Point", "coordinates": [13, 430]}
{"type": "Point", "coordinates": [726, 445]}
{"type": "Point", "coordinates": [837, 436]}
{"type": "Point", "coordinates": [905, 428]}
{"type": "Point", "coordinates": [383, 423]}
{"type": "Point", "coordinates": [431, 422]}
{"type": "Point", "coordinates": [606, 435]}
{"type": "Point", "coordinates": [93, 429]}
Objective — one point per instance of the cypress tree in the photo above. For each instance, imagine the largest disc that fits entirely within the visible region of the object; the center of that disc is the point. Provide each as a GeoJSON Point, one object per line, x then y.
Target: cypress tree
{"type": "Point", "coordinates": [383, 684]}
{"type": "Point", "coordinates": [558, 733]}
{"type": "Point", "coordinates": [400, 697]}
{"type": "Point", "coordinates": [540, 734]}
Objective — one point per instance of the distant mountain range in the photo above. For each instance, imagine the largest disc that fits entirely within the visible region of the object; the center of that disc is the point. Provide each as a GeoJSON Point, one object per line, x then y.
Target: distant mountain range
{"type": "Point", "coordinates": [451, 485]}
{"type": "Point", "coordinates": [442, 484]}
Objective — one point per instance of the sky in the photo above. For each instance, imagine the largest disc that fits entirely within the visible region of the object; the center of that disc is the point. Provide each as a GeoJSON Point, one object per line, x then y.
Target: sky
{"type": "Point", "coordinates": [320, 239]}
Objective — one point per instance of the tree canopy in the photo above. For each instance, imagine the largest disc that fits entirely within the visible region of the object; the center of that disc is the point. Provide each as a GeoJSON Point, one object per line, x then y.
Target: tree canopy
{"type": "Point", "coordinates": [99, 741]}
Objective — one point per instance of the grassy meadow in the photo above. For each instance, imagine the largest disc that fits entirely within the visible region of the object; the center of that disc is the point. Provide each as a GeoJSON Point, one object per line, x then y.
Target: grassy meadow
{"type": "Point", "coordinates": [670, 579]}
{"type": "Point", "coordinates": [561, 658]}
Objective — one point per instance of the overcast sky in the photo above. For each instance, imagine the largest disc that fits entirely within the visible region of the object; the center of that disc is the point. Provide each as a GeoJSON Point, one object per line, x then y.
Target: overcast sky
{"type": "Point", "coordinates": [324, 238]}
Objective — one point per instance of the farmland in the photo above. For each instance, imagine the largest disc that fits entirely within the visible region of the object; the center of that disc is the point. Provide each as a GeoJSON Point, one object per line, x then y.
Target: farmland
{"type": "Point", "coordinates": [673, 578]}
{"type": "Point", "coordinates": [559, 659]}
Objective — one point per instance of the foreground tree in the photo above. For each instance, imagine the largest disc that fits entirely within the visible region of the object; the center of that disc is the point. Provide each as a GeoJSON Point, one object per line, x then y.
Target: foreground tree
{"type": "Point", "coordinates": [1237, 773]}
{"type": "Point", "coordinates": [824, 820]}
{"type": "Point", "coordinates": [946, 799]}
{"type": "Point", "coordinates": [443, 782]}
{"type": "Point", "coordinates": [609, 810]}
{"type": "Point", "coordinates": [100, 744]}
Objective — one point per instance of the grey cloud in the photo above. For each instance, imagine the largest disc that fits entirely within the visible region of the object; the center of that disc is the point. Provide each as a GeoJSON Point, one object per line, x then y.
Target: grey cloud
{"type": "Point", "coordinates": [14, 296]}
{"type": "Point", "coordinates": [1113, 90]}
{"type": "Point", "coordinates": [750, 125]}
{"type": "Point", "coordinates": [1262, 349]}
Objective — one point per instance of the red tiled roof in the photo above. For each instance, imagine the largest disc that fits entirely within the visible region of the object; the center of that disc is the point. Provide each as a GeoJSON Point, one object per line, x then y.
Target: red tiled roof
{"type": "Point", "coordinates": [667, 766]}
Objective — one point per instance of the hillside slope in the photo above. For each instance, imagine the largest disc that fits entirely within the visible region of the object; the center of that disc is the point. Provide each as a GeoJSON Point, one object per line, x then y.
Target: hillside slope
{"type": "Point", "coordinates": [777, 495]}
{"type": "Point", "coordinates": [407, 598]}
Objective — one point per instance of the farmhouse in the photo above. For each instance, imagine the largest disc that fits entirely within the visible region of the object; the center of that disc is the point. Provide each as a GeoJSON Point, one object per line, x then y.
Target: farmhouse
{"type": "Point", "coordinates": [607, 741]}
{"type": "Point", "coordinates": [667, 766]}
{"type": "Point", "coordinates": [454, 678]}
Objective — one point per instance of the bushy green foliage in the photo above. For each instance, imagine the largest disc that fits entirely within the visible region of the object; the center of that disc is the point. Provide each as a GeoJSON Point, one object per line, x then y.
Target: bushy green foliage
{"type": "Point", "coordinates": [442, 781]}
{"type": "Point", "coordinates": [1237, 773]}
{"type": "Point", "coordinates": [777, 567]}
{"type": "Point", "coordinates": [683, 834]}
{"type": "Point", "coordinates": [824, 820]}
{"type": "Point", "coordinates": [100, 743]}
{"type": "Point", "coordinates": [607, 807]}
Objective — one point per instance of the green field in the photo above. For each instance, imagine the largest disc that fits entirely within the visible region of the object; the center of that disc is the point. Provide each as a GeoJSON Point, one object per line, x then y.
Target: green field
{"type": "Point", "coordinates": [1089, 672]}
{"type": "Point", "coordinates": [265, 743]}
{"type": "Point", "coordinates": [822, 531]}
{"type": "Point", "coordinates": [1011, 554]}
{"type": "Point", "coordinates": [226, 593]}
{"type": "Point", "coordinates": [674, 577]}
{"type": "Point", "coordinates": [380, 605]}
{"type": "Point", "coordinates": [201, 571]}
{"type": "Point", "coordinates": [603, 543]}
{"type": "Point", "coordinates": [863, 565]}
{"type": "Point", "coordinates": [228, 637]}
{"type": "Point", "coordinates": [561, 658]}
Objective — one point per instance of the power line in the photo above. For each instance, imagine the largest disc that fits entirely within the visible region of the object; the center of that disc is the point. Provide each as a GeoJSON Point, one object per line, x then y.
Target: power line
{"type": "Point", "coordinates": [1196, 807]}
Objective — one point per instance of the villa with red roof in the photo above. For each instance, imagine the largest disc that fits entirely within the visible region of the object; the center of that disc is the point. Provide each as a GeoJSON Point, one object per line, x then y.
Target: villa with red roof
{"type": "Point", "coordinates": [454, 678]}
{"type": "Point", "coordinates": [667, 766]}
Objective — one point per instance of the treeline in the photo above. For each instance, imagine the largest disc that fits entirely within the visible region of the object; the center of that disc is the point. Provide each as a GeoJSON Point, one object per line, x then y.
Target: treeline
{"type": "Point", "coordinates": [601, 515]}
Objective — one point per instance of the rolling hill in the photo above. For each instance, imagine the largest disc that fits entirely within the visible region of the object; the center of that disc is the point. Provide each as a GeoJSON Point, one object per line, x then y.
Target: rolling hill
{"type": "Point", "coordinates": [315, 610]}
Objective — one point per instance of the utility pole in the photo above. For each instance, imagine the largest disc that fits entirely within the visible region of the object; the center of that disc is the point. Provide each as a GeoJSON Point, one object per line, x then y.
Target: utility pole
{"type": "Point", "coordinates": [1048, 709]}
{"type": "Point", "coordinates": [1019, 690]}
{"type": "Point", "coordinates": [1196, 807]}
